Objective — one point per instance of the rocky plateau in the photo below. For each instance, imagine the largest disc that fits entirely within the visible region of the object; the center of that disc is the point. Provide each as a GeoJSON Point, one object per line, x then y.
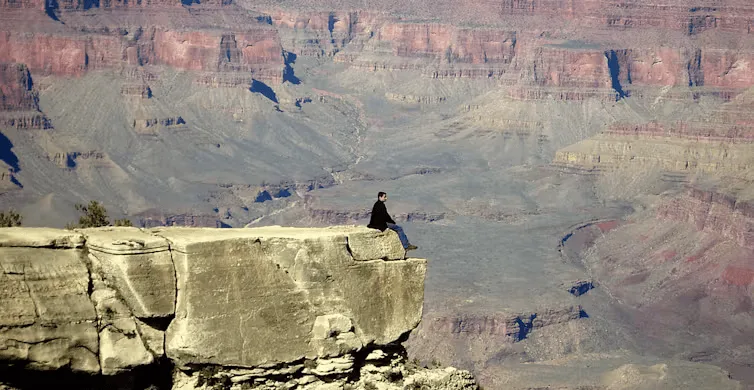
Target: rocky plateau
{"type": "Point", "coordinates": [208, 308]}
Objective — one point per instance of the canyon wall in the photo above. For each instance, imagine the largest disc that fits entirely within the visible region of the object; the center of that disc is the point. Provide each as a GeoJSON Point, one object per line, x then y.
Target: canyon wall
{"type": "Point", "coordinates": [716, 212]}
{"type": "Point", "coordinates": [228, 45]}
{"type": "Point", "coordinates": [221, 38]}
{"type": "Point", "coordinates": [76, 37]}
{"type": "Point", "coordinates": [253, 51]}
{"type": "Point", "coordinates": [261, 306]}
{"type": "Point", "coordinates": [712, 141]}
{"type": "Point", "coordinates": [606, 56]}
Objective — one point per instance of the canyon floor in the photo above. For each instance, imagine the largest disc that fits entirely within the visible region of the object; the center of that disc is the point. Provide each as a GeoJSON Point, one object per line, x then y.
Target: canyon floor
{"type": "Point", "coordinates": [579, 177]}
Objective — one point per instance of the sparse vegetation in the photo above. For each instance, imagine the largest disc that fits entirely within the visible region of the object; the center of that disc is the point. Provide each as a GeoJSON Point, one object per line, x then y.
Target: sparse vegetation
{"type": "Point", "coordinates": [123, 222]}
{"type": "Point", "coordinates": [212, 378]}
{"type": "Point", "coordinates": [95, 215]}
{"type": "Point", "coordinates": [10, 219]}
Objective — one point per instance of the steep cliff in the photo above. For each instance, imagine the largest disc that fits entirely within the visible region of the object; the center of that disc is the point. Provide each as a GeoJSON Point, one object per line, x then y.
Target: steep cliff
{"type": "Point", "coordinates": [73, 38]}
{"type": "Point", "coordinates": [19, 100]}
{"type": "Point", "coordinates": [306, 308]}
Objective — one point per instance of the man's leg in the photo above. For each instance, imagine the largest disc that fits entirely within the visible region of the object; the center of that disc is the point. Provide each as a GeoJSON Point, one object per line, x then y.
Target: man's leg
{"type": "Point", "coordinates": [401, 234]}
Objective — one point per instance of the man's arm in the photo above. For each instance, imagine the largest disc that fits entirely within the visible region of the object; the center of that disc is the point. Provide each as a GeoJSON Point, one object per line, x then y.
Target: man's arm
{"type": "Point", "coordinates": [387, 215]}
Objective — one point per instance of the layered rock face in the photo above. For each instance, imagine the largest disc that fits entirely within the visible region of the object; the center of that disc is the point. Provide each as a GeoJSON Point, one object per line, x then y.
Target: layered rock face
{"type": "Point", "coordinates": [718, 143]}
{"type": "Point", "coordinates": [16, 88]}
{"type": "Point", "coordinates": [19, 100]}
{"type": "Point", "coordinates": [715, 212]}
{"type": "Point", "coordinates": [254, 50]}
{"type": "Point", "coordinates": [19, 109]}
{"type": "Point", "coordinates": [259, 306]}
{"type": "Point", "coordinates": [115, 35]}
{"type": "Point", "coordinates": [587, 62]}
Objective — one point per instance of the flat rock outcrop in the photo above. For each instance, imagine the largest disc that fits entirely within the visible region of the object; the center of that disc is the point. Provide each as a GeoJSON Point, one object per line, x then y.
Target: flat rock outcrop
{"type": "Point", "coordinates": [255, 305]}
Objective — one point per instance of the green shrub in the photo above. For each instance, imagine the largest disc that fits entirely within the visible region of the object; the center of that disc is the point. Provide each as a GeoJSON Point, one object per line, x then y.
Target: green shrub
{"type": "Point", "coordinates": [95, 215]}
{"type": "Point", "coordinates": [123, 222]}
{"type": "Point", "coordinates": [10, 219]}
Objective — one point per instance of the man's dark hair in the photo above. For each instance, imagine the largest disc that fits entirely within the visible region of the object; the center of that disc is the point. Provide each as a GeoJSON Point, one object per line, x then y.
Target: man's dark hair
{"type": "Point", "coordinates": [379, 194]}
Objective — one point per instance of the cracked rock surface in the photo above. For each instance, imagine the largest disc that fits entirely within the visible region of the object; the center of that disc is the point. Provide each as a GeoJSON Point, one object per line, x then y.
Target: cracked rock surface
{"type": "Point", "coordinates": [47, 318]}
{"type": "Point", "coordinates": [109, 300]}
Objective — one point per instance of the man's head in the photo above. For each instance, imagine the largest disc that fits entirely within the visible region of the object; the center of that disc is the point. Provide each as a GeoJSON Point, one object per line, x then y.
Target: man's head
{"type": "Point", "coordinates": [382, 196]}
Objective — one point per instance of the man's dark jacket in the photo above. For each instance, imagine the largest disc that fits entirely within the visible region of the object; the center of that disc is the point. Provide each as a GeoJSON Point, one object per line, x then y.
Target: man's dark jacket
{"type": "Point", "coordinates": [380, 217]}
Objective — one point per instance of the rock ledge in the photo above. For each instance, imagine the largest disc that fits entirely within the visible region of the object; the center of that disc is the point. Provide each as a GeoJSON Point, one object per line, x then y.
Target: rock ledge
{"type": "Point", "coordinates": [251, 307]}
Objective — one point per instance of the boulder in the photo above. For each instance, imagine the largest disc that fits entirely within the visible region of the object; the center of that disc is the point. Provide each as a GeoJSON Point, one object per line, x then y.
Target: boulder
{"type": "Point", "coordinates": [248, 297]}
{"type": "Point", "coordinates": [121, 346]}
{"type": "Point", "coordinates": [371, 244]}
{"type": "Point", "coordinates": [268, 302]}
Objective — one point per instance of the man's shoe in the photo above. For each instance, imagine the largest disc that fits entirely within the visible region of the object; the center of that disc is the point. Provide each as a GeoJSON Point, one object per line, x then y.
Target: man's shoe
{"type": "Point", "coordinates": [411, 247]}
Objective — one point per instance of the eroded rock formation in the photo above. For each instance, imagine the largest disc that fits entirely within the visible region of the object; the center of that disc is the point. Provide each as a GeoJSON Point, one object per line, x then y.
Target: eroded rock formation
{"type": "Point", "coordinates": [685, 264]}
{"type": "Point", "coordinates": [719, 144]}
{"type": "Point", "coordinates": [19, 100]}
{"type": "Point", "coordinates": [105, 35]}
{"type": "Point", "coordinates": [264, 307]}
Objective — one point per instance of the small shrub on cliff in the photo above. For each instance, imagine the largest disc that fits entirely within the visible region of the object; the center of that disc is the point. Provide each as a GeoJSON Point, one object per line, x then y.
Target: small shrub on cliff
{"type": "Point", "coordinates": [213, 378]}
{"type": "Point", "coordinates": [95, 215]}
{"type": "Point", "coordinates": [123, 222]}
{"type": "Point", "coordinates": [10, 219]}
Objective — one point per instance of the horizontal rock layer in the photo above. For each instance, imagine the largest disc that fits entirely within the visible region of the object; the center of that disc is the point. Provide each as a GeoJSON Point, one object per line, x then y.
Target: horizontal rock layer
{"type": "Point", "coordinates": [253, 50]}
{"type": "Point", "coordinates": [251, 42]}
{"type": "Point", "coordinates": [714, 212]}
{"type": "Point", "coordinates": [722, 144]}
{"type": "Point", "coordinates": [100, 300]}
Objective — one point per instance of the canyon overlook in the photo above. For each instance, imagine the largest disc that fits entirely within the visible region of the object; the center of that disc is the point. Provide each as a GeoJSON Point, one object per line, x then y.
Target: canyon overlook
{"type": "Point", "coordinates": [578, 173]}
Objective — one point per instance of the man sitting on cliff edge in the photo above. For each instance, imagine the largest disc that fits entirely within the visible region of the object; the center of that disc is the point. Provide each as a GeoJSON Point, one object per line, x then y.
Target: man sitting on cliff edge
{"type": "Point", "coordinates": [381, 220]}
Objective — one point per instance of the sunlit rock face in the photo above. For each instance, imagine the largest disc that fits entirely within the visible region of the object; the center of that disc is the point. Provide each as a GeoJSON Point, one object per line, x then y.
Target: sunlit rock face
{"type": "Point", "coordinates": [109, 300]}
